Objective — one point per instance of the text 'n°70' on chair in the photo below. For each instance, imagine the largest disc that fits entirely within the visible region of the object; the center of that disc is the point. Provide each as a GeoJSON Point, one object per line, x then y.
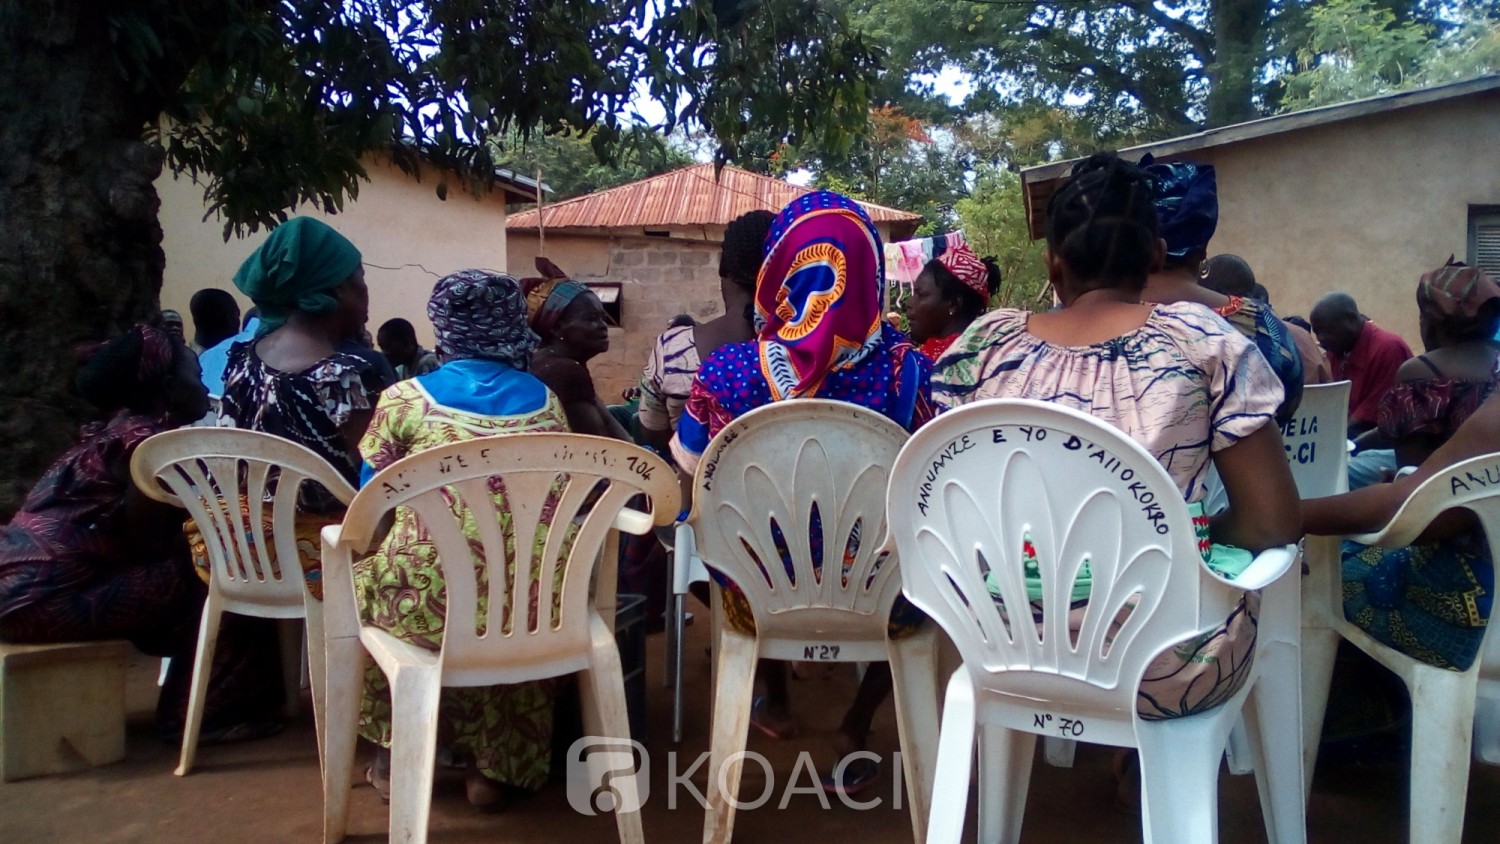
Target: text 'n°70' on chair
{"type": "Point", "coordinates": [1004, 513]}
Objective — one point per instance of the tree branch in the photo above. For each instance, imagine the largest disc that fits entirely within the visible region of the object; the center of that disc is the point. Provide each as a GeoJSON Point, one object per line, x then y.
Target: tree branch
{"type": "Point", "coordinates": [1201, 42]}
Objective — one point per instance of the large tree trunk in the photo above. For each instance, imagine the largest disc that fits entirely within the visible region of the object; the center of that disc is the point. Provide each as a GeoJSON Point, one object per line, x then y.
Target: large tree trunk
{"type": "Point", "coordinates": [1240, 43]}
{"type": "Point", "coordinates": [80, 246]}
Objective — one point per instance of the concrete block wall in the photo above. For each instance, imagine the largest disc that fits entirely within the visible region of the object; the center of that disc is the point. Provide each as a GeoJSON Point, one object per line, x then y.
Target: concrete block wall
{"type": "Point", "coordinates": [659, 279]}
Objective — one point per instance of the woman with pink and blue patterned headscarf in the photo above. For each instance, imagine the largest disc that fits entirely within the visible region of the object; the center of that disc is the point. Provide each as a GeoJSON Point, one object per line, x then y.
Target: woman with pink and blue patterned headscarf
{"type": "Point", "coordinates": [819, 303]}
{"type": "Point", "coordinates": [818, 307]}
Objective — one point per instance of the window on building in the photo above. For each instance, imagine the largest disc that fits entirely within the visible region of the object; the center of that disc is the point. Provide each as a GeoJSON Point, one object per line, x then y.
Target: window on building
{"type": "Point", "coordinates": [1484, 237]}
{"type": "Point", "coordinates": [609, 293]}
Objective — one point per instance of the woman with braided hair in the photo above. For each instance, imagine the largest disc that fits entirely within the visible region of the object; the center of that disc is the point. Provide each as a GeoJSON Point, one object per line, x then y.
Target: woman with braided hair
{"type": "Point", "coordinates": [1176, 378]}
{"type": "Point", "coordinates": [89, 557]}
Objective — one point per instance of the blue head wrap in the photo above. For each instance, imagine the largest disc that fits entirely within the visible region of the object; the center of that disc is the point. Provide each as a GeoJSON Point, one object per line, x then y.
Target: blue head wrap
{"type": "Point", "coordinates": [1187, 204]}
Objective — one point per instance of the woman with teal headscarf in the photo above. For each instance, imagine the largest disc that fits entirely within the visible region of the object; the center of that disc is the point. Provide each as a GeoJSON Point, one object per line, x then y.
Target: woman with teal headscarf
{"type": "Point", "coordinates": [294, 380]}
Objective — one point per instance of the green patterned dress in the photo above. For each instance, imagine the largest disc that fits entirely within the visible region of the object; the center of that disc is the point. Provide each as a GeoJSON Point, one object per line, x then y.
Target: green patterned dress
{"type": "Point", "coordinates": [507, 729]}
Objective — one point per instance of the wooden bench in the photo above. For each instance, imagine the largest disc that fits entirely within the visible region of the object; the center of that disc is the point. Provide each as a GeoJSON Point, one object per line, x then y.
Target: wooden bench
{"type": "Point", "coordinates": [62, 707]}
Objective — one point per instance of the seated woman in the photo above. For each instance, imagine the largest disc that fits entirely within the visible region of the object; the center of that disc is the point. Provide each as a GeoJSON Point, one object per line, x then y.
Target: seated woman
{"type": "Point", "coordinates": [481, 390]}
{"type": "Point", "coordinates": [570, 321]}
{"type": "Point", "coordinates": [293, 380]}
{"type": "Point", "coordinates": [667, 378]}
{"type": "Point", "coordinates": [89, 557]}
{"type": "Point", "coordinates": [952, 291]}
{"type": "Point", "coordinates": [1176, 378]}
{"type": "Point", "coordinates": [1187, 210]}
{"type": "Point", "coordinates": [1459, 311]}
{"type": "Point", "coordinates": [843, 351]}
{"type": "Point", "coordinates": [1430, 600]}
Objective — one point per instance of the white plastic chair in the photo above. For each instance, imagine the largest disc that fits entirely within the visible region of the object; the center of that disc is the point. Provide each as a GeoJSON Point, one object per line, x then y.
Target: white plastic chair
{"type": "Point", "coordinates": [596, 477]}
{"type": "Point", "coordinates": [1316, 441]}
{"type": "Point", "coordinates": [214, 473]}
{"type": "Point", "coordinates": [966, 491]}
{"type": "Point", "coordinates": [775, 466]}
{"type": "Point", "coordinates": [1442, 701]}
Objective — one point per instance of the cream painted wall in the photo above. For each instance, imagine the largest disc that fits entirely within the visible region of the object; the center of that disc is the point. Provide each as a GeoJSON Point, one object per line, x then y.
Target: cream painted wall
{"type": "Point", "coordinates": [409, 239]}
{"type": "Point", "coordinates": [1363, 205]}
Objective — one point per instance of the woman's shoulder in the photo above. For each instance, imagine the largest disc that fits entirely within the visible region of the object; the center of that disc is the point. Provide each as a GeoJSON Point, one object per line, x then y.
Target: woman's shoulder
{"type": "Point", "coordinates": [990, 330]}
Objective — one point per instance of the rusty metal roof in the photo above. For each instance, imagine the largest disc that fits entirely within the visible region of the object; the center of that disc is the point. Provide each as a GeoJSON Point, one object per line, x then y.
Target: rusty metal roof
{"type": "Point", "coordinates": [690, 196]}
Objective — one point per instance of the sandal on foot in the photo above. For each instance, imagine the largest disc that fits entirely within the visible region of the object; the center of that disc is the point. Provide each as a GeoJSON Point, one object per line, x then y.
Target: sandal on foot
{"type": "Point", "coordinates": [858, 775]}
{"type": "Point", "coordinates": [759, 722]}
{"type": "Point", "coordinates": [378, 775]}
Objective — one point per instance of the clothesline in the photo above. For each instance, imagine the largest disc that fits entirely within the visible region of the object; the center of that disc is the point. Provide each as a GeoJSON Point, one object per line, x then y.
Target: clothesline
{"type": "Point", "coordinates": [905, 259]}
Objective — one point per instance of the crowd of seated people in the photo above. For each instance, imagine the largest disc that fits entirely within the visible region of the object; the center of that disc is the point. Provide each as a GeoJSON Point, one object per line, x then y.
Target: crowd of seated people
{"type": "Point", "coordinates": [1180, 352]}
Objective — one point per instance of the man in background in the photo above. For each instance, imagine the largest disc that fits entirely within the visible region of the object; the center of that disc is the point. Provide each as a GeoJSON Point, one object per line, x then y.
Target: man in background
{"type": "Point", "coordinates": [398, 342]}
{"type": "Point", "coordinates": [216, 317]}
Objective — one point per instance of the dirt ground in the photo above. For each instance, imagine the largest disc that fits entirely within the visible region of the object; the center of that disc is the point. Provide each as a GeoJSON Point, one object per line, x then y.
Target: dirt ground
{"type": "Point", "coordinates": [269, 791]}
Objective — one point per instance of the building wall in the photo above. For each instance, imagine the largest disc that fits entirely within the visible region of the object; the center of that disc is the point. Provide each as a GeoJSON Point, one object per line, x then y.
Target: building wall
{"type": "Point", "coordinates": [408, 236]}
{"type": "Point", "coordinates": [659, 279]}
{"type": "Point", "coordinates": [1363, 205]}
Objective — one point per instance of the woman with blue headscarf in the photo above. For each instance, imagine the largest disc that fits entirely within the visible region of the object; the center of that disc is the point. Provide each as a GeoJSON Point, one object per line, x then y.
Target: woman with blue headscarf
{"type": "Point", "coordinates": [1187, 211]}
{"type": "Point", "coordinates": [294, 380]}
{"type": "Point", "coordinates": [482, 389]}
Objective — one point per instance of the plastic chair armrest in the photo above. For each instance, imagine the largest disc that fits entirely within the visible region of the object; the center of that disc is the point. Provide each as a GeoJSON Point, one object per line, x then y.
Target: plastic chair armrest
{"type": "Point", "coordinates": [1265, 569]}
{"type": "Point", "coordinates": [633, 521]}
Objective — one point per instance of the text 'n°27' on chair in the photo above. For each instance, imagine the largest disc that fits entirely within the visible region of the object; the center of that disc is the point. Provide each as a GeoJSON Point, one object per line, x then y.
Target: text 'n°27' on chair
{"type": "Point", "coordinates": [542, 506]}
{"type": "Point", "coordinates": [1000, 492]}
{"type": "Point", "coordinates": [228, 480]}
{"type": "Point", "coordinates": [773, 486]}
{"type": "Point", "coordinates": [1442, 701]}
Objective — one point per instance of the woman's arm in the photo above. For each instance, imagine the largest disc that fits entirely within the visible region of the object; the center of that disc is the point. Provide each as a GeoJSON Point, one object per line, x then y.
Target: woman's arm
{"type": "Point", "coordinates": [1369, 509]}
{"type": "Point", "coordinates": [1264, 509]}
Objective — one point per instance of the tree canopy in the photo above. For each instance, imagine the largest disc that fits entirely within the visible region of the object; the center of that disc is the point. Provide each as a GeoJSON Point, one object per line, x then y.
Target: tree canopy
{"type": "Point", "coordinates": [1151, 68]}
{"type": "Point", "coordinates": [273, 104]}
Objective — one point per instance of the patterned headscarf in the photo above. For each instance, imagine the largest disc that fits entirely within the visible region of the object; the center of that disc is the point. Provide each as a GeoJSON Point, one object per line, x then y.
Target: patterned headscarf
{"type": "Point", "coordinates": [295, 269]}
{"type": "Point", "coordinates": [1454, 296]}
{"type": "Point", "coordinates": [1187, 204]}
{"type": "Point", "coordinates": [124, 370]}
{"type": "Point", "coordinates": [480, 314]}
{"type": "Point", "coordinates": [547, 297]}
{"type": "Point", "coordinates": [967, 268]}
{"type": "Point", "coordinates": [820, 293]}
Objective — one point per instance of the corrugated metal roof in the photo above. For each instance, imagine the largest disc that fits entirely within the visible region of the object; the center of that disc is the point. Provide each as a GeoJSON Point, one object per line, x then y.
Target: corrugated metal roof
{"type": "Point", "coordinates": [690, 196]}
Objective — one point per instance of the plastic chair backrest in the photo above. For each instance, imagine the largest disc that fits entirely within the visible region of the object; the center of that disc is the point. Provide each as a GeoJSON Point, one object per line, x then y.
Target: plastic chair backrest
{"type": "Point", "coordinates": [974, 486]}
{"type": "Point", "coordinates": [1316, 441]}
{"type": "Point", "coordinates": [756, 491]}
{"type": "Point", "coordinates": [220, 474]}
{"type": "Point", "coordinates": [518, 487]}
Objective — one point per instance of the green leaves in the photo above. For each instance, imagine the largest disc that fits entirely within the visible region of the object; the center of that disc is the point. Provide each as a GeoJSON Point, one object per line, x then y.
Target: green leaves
{"type": "Point", "coordinates": [277, 103]}
{"type": "Point", "coordinates": [1356, 48]}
